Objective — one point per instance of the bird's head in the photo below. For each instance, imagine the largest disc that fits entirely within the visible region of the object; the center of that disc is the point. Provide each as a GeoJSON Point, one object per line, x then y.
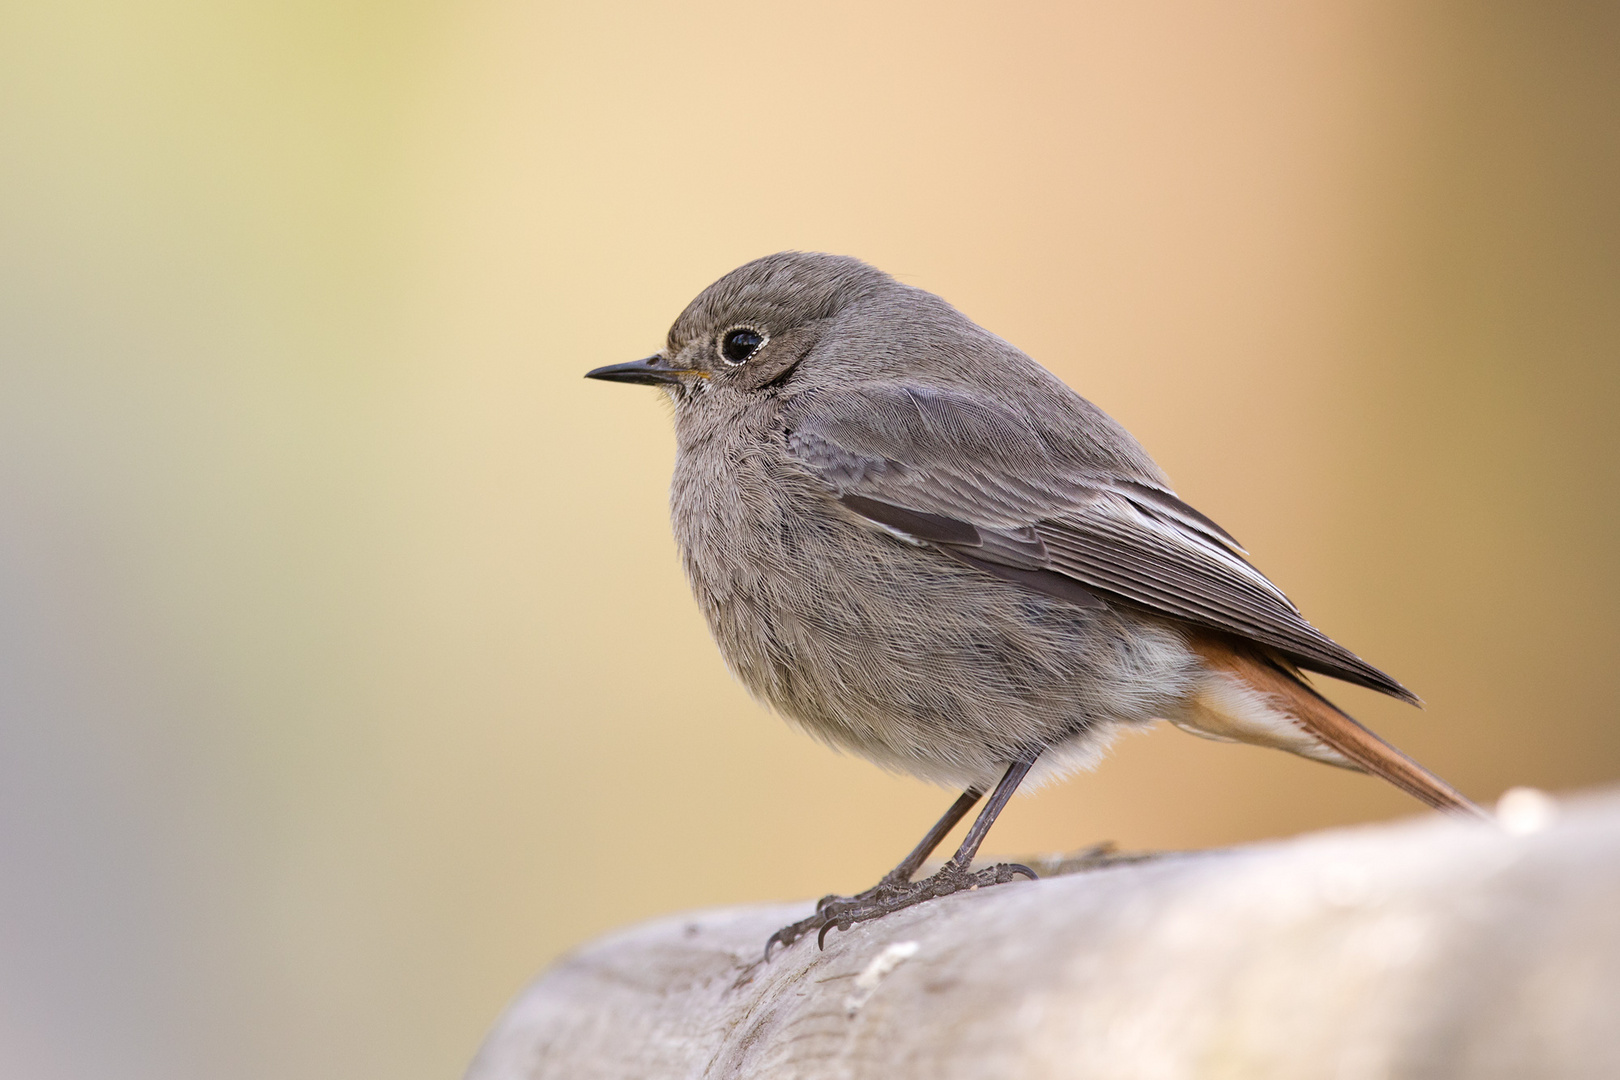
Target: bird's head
{"type": "Point", "coordinates": [750, 330]}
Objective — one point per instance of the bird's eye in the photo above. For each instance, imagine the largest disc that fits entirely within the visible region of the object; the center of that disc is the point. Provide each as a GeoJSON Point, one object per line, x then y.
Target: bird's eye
{"type": "Point", "coordinates": [736, 346]}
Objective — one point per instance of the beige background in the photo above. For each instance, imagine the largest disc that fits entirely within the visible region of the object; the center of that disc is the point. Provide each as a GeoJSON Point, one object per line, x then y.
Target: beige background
{"type": "Point", "coordinates": [346, 670]}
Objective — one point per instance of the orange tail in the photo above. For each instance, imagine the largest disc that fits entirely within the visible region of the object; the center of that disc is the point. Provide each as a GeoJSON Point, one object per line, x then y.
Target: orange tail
{"type": "Point", "coordinates": [1282, 690]}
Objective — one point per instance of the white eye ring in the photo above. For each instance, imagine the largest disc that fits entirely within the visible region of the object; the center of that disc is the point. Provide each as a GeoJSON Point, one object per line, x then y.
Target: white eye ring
{"type": "Point", "coordinates": [739, 352]}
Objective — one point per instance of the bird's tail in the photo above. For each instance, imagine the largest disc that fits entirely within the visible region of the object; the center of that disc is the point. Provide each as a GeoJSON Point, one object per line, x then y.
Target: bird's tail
{"type": "Point", "coordinates": [1248, 691]}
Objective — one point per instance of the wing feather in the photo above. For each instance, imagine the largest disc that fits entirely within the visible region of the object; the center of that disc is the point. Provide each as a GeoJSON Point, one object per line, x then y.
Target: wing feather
{"type": "Point", "coordinates": [1022, 499]}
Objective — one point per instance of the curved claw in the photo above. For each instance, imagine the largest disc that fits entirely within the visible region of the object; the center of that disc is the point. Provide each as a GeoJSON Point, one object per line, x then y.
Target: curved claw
{"type": "Point", "coordinates": [788, 936]}
{"type": "Point", "coordinates": [890, 895]}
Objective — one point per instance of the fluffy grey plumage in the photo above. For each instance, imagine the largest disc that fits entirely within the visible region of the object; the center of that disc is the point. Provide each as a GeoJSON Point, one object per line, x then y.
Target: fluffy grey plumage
{"type": "Point", "coordinates": [915, 542]}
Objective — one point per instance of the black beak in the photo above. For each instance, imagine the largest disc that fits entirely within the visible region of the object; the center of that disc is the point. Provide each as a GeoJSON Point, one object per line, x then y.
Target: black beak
{"type": "Point", "coordinates": [646, 372]}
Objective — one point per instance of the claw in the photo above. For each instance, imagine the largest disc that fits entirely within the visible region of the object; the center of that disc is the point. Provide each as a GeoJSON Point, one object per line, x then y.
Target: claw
{"type": "Point", "coordinates": [888, 896]}
{"type": "Point", "coordinates": [788, 936]}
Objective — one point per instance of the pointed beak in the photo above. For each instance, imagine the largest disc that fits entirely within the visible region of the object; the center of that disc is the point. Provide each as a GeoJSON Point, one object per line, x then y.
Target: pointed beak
{"type": "Point", "coordinates": [645, 372]}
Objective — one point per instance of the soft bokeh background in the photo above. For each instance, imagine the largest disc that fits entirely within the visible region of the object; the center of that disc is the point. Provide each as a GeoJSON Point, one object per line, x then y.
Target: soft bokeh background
{"type": "Point", "coordinates": [347, 674]}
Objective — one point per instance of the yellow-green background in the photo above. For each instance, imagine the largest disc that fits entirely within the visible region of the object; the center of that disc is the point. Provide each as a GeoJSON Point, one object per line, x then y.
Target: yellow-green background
{"type": "Point", "coordinates": [347, 674]}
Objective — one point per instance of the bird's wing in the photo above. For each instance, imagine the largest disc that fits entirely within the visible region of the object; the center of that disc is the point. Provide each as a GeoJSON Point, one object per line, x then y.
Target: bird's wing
{"type": "Point", "coordinates": [990, 486]}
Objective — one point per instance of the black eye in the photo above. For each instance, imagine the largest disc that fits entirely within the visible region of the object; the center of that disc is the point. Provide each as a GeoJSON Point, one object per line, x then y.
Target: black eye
{"type": "Point", "coordinates": [739, 344]}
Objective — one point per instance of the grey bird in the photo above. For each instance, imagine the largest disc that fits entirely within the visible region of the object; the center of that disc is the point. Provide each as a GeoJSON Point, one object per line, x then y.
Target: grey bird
{"type": "Point", "coordinates": [920, 546]}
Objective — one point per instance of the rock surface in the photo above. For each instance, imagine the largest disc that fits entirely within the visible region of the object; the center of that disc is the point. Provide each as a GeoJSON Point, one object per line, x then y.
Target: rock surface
{"type": "Point", "coordinates": [1429, 948]}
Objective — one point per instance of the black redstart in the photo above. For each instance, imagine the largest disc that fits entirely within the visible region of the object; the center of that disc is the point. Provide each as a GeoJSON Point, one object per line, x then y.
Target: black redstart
{"type": "Point", "coordinates": [916, 543]}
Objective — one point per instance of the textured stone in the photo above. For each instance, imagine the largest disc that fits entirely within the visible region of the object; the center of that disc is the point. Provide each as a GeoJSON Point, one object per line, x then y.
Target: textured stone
{"type": "Point", "coordinates": [1428, 948]}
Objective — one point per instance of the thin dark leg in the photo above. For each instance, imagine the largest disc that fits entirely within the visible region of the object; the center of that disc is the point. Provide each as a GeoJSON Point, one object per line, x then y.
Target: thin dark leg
{"type": "Point", "coordinates": [899, 876]}
{"type": "Point", "coordinates": [987, 817]}
{"type": "Point", "coordinates": [925, 847]}
{"type": "Point", "coordinates": [909, 865]}
{"type": "Point", "coordinates": [897, 891]}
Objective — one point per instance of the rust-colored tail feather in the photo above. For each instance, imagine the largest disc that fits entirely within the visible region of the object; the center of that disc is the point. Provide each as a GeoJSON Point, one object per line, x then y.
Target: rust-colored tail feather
{"type": "Point", "coordinates": [1333, 725]}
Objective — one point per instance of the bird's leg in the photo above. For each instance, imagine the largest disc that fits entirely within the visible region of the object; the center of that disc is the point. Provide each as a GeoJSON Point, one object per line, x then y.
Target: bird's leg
{"type": "Point", "coordinates": [955, 876]}
{"type": "Point", "coordinates": [897, 891]}
{"type": "Point", "coordinates": [899, 876]}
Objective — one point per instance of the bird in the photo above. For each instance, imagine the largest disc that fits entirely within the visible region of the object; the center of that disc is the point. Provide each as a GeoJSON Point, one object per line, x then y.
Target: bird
{"type": "Point", "coordinates": [917, 544]}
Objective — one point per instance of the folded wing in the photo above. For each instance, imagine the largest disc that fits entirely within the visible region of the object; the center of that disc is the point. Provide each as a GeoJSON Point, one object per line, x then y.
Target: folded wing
{"type": "Point", "coordinates": [1017, 497]}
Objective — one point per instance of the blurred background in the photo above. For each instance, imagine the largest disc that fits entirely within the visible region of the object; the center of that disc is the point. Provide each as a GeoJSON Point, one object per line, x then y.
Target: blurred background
{"type": "Point", "coordinates": [347, 672]}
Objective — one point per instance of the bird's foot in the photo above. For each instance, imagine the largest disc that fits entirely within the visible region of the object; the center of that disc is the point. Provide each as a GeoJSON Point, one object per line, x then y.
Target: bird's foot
{"type": "Point", "coordinates": [890, 895]}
